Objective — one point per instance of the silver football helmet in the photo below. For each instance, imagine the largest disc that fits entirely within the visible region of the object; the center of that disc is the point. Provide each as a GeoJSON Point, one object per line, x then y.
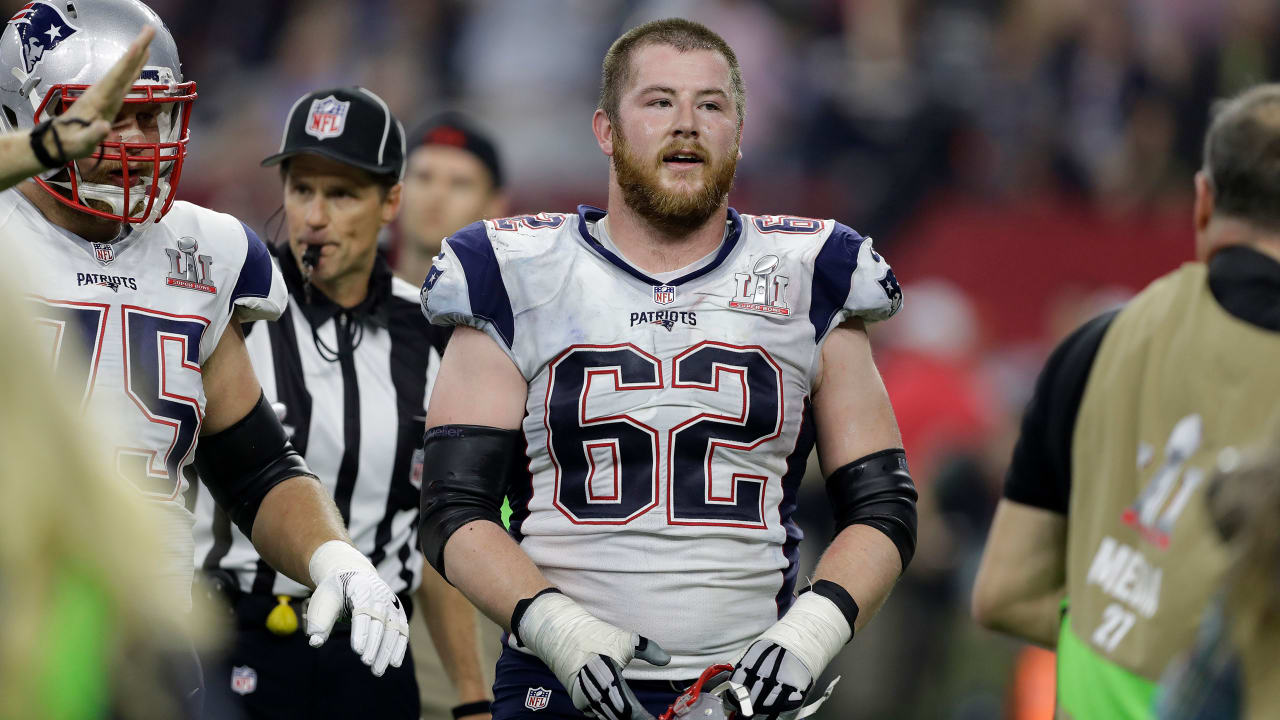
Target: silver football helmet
{"type": "Point", "coordinates": [51, 51]}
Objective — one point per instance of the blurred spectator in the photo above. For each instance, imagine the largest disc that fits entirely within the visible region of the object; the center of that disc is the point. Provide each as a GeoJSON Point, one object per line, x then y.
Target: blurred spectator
{"type": "Point", "coordinates": [453, 178]}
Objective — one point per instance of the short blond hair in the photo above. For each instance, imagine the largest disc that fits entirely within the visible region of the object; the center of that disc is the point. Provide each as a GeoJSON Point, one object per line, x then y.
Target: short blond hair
{"type": "Point", "coordinates": [683, 35]}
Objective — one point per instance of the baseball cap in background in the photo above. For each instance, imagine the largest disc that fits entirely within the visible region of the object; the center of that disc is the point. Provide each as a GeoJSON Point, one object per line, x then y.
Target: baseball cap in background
{"type": "Point", "coordinates": [351, 125]}
{"type": "Point", "coordinates": [454, 129]}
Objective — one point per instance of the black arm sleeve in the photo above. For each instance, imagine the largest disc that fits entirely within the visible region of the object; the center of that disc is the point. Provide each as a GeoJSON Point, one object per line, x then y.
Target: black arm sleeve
{"type": "Point", "coordinates": [241, 464]}
{"type": "Point", "coordinates": [1040, 471]}
{"type": "Point", "coordinates": [466, 471]}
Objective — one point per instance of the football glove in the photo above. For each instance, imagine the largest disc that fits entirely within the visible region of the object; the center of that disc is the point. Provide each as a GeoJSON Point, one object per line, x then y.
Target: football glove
{"type": "Point", "coordinates": [349, 587]}
{"type": "Point", "coordinates": [585, 653]}
{"type": "Point", "coordinates": [778, 668]}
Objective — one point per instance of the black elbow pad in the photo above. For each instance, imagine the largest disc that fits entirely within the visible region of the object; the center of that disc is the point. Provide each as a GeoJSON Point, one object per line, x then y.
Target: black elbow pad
{"type": "Point", "coordinates": [877, 490]}
{"type": "Point", "coordinates": [466, 473]}
{"type": "Point", "coordinates": [241, 464]}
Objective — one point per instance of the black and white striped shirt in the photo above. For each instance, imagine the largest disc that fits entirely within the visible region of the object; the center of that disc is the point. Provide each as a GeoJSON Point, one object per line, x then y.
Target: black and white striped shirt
{"type": "Point", "coordinates": [354, 386]}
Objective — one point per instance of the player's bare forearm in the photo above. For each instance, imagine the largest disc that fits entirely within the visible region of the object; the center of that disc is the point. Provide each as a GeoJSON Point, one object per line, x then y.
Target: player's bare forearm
{"type": "Point", "coordinates": [1022, 579]}
{"type": "Point", "coordinates": [488, 566]}
{"type": "Point", "coordinates": [296, 517]}
{"type": "Point", "coordinates": [866, 564]}
{"type": "Point", "coordinates": [451, 620]}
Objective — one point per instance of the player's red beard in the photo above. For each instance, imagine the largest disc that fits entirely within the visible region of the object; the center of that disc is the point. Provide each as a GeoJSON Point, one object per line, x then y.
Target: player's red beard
{"type": "Point", "coordinates": [676, 213]}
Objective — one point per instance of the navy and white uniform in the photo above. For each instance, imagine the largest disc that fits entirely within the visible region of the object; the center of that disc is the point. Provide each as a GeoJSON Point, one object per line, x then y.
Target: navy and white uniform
{"type": "Point", "coordinates": [146, 311]}
{"type": "Point", "coordinates": [668, 418]}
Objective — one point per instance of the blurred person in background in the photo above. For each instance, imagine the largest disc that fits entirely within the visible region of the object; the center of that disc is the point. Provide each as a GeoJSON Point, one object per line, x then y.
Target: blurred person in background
{"type": "Point", "coordinates": [151, 293]}
{"type": "Point", "coordinates": [1231, 673]}
{"type": "Point", "coordinates": [656, 504]}
{"type": "Point", "coordinates": [453, 178]}
{"type": "Point", "coordinates": [1102, 545]}
{"type": "Point", "coordinates": [349, 368]}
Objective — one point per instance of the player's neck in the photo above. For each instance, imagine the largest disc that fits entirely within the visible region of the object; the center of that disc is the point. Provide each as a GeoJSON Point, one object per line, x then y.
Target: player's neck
{"type": "Point", "coordinates": [653, 250]}
{"type": "Point", "coordinates": [89, 227]}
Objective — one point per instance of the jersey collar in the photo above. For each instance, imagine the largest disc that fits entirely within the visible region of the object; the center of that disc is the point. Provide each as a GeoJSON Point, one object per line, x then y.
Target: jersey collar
{"type": "Point", "coordinates": [589, 213]}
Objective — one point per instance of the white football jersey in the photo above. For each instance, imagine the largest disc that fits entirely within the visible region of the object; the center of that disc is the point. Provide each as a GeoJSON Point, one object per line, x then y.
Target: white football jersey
{"type": "Point", "coordinates": [668, 423]}
{"type": "Point", "coordinates": [129, 325]}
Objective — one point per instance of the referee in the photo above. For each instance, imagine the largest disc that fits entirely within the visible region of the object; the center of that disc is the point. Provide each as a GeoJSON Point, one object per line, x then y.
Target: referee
{"type": "Point", "coordinates": [348, 367]}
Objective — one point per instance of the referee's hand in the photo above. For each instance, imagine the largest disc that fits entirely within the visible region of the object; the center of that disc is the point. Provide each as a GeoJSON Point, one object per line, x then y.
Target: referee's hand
{"type": "Point", "coordinates": [348, 587]}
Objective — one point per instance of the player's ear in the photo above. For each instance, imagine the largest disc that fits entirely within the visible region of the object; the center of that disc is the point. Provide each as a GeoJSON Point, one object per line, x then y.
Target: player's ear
{"type": "Point", "coordinates": [603, 128]}
{"type": "Point", "coordinates": [391, 203]}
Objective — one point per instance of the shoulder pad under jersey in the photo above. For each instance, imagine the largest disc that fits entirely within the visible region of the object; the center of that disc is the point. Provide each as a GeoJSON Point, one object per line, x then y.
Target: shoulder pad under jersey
{"type": "Point", "coordinates": [851, 279]}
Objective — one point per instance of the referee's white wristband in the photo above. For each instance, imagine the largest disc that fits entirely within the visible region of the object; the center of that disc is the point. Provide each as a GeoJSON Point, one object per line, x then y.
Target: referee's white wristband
{"type": "Point", "coordinates": [335, 556]}
{"type": "Point", "coordinates": [814, 630]}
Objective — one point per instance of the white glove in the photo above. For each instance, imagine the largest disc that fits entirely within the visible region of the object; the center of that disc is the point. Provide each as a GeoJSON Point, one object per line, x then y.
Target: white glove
{"type": "Point", "coordinates": [779, 667]}
{"type": "Point", "coordinates": [587, 655]}
{"type": "Point", "coordinates": [349, 587]}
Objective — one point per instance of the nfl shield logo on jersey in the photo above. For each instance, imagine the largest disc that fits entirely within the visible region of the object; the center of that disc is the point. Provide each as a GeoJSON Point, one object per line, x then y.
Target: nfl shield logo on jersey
{"type": "Point", "coordinates": [103, 253]}
{"type": "Point", "coordinates": [537, 698]}
{"type": "Point", "coordinates": [328, 117]}
{"type": "Point", "coordinates": [244, 679]}
{"type": "Point", "coordinates": [664, 294]}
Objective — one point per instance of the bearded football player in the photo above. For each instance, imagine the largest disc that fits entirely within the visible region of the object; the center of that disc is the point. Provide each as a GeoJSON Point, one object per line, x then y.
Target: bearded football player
{"type": "Point", "coordinates": [646, 382]}
{"type": "Point", "coordinates": [150, 293]}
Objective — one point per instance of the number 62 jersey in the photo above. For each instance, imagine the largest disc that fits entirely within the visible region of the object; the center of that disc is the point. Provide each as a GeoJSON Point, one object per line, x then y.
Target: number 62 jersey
{"type": "Point", "coordinates": [668, 419]}
{"type": "Point", "coordinates": [130, 324]}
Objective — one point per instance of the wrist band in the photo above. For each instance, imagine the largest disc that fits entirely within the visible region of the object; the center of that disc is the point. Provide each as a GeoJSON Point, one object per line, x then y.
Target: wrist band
{"type": "Point", "coordinates": [839, 596]}
{"type": "Point", "coordinates": [37, 145]}
{"type": "Point", "coordinates": [478, 707]}
{"type": "Point", "coordinates": [521, 607]}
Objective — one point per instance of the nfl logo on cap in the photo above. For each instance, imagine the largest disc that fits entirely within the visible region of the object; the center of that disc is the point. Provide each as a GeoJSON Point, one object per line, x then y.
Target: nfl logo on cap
{"type": "Point", "coordinates": [664, 294]}
{"type": "Point", "coordinates": [244, 679]}
{"type": "Point", "coordinates": [537, 698]}
{"type": "Point", "coordinates": [328, 117]}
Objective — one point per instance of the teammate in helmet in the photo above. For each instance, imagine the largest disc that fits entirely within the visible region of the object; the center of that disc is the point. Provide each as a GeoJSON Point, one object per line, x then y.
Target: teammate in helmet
{"type": "Point", "coordinates": [653, 461]}
{"type": "Point", "coordinates": [75, 133]}
{"type": "Point", "coordinates": [152, 292]}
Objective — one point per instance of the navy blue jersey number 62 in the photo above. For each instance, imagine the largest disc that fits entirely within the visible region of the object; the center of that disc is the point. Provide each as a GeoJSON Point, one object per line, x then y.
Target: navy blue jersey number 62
{"type": "Point", "coordinates": [608, 464]}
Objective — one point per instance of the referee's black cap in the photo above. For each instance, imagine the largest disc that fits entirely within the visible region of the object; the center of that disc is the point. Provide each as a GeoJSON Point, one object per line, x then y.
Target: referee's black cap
{"type": "Point", "coordinates": [452, 128]}
{"type": "Point", "coordinates": [351, 125]}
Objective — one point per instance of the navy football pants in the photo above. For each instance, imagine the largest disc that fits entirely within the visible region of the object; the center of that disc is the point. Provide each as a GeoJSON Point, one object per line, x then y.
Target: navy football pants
{"type": "Point", "coordinates": [518, 673]}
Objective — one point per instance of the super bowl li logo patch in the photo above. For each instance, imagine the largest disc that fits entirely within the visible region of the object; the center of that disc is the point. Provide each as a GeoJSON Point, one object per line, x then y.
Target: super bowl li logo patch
{"type": "Point", "coordinates": [664, 294]}
{"type": "Point", "coordinates": [762, 289]}
{"type": "Point", "coordinates": [328, 117]}
{"type": "Point", "coordinates": [187, 269]}
{"type": "Point", "coordinates": [537, 698]}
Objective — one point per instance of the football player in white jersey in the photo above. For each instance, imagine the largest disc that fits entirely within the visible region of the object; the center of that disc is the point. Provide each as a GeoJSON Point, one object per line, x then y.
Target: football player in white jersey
{"type": "Point", "coordinates": [646, 383]}
{"type": "Point", "coordinates": [155, 290]}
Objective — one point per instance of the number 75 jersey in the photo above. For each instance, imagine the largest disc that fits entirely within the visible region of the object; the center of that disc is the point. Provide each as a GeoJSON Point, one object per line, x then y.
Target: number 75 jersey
{"type": "Point", "coordinates": [128, 327]}
{"type": "Point", "coordinates": [668, 421]}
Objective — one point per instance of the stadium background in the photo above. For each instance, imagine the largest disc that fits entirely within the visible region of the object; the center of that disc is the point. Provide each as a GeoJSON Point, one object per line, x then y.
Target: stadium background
{"type": "Point", "coordinates": [1024, 164]}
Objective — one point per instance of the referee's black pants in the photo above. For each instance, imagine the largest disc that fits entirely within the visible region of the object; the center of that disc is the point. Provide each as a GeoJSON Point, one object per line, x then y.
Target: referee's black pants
{"type": "Point", "coordinates": [271, 677]}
